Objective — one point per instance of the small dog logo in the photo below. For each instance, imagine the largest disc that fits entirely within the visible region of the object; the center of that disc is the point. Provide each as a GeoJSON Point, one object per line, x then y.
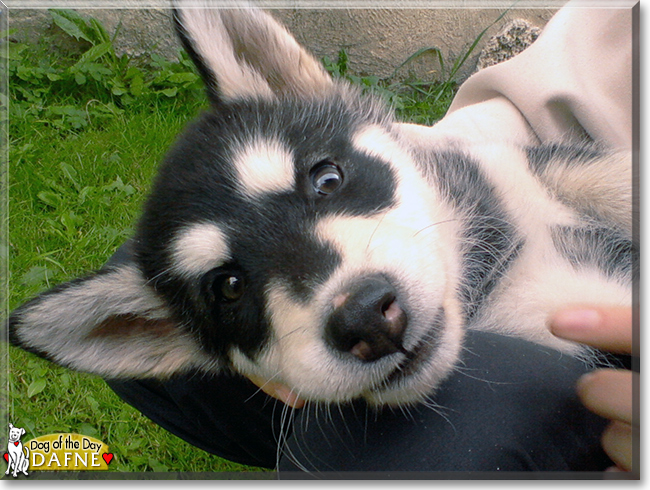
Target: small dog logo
{"type": "Point", "coordinates": [15, 456]}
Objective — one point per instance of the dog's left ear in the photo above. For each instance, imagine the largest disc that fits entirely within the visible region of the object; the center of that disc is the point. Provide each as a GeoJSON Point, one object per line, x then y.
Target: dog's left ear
{"type": "Point", "coordinates": [244, 53]}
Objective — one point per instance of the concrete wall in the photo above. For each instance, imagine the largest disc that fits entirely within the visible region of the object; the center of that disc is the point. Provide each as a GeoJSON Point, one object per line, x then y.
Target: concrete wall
{"type": "Point", "coordinates": [377, 39]}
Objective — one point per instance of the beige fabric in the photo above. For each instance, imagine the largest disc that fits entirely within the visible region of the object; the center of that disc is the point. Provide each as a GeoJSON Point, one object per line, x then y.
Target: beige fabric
{"type": "Point", "coordinates": [576, 79]}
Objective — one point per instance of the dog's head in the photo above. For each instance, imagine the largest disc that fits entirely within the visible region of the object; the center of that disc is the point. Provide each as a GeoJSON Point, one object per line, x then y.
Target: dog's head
{"type": "Point", "coordinates": [15, 433]}
{"type": "Point", "coordinates": [289, 235]}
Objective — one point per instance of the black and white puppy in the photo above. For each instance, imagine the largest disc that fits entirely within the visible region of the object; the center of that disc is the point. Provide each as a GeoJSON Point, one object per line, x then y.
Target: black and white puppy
{"type": "Point", "coordinates": [297, 232]}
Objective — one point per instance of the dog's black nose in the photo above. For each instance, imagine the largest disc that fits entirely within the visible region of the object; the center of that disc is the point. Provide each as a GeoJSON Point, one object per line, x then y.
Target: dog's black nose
{"type": "Point", "coordinates": [367, 321]}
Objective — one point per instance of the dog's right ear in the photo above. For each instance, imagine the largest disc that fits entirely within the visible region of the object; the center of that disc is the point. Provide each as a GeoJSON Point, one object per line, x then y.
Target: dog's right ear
{"type": "Point", "coordinates": [244, 52]}
{"type": "Point", "coordinates": [111, 323]}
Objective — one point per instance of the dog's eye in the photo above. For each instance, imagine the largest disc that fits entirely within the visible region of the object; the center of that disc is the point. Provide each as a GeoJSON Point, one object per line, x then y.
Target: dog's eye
{"type": "Point", "coordinates": [223, 286]}
{"type": "Point", "coordinates": [231, 288]}
{"type": "Point", "coordinates": [326, 177]}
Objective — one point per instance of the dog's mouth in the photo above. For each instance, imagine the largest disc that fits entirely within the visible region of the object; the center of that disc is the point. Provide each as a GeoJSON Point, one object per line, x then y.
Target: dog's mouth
{"type": "Point", "coordinates": [416, 357]}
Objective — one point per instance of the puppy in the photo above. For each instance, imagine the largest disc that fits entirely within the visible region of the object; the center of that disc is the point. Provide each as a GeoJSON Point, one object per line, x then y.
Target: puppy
{"type": "Point", "coordinates": [297, 232]}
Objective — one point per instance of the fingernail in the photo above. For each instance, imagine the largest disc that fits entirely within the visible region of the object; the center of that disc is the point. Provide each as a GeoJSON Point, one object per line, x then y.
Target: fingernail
{"type": "Point", "coordinates": [570, 320]}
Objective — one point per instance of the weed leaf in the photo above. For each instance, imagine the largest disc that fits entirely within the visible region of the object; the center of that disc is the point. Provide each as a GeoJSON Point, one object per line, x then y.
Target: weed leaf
{"type": "Point", "coordinates": [183, 78]}
{"type": "Point", "coordinates": [36, 387]}
{"type": "Point", "coordinates": [99, 31]}
{"type": "Point", "coordinates": [52, 199]}
{"type": "Point", "coordinates": [35, 275]}
{"type": "Point", "coordinates": [170, 92]}
{"type": "Point", "coordinates": [70, 173]}
{"type": "Point", "coordinates": [461, 60]}
{"type": "Point", "coordinates": [71, 23]}
{"type": "Point", "coordinates": [7, 33]}
{"type": "Point", "coordinates": [92, 54]}
{"type": "Point", "coordinates": [420, 52]}
{"type": "Point", "coordinates": [157, 465]}
{"type": "Point", "coordinates": [13, 52]}
{"type": "Point", "coordinates": [88, 430]}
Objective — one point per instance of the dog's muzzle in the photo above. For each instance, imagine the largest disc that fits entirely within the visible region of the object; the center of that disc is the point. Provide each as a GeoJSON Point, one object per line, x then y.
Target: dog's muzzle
{"type": "Point", "coordinates": [367, 322]}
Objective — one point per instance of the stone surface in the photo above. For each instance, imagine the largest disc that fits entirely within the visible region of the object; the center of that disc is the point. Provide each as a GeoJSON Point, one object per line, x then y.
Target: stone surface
{"type": "Point", "coordinates": [377, 40]}
{"type": "Point", "coordinates": [513, 38]}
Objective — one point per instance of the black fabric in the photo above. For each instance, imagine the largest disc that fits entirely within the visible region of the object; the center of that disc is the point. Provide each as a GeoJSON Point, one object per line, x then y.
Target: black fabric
{"type": "Point", "coordinates": [510, 406]}
{"type": "Point", "coordinates": [223, 415]}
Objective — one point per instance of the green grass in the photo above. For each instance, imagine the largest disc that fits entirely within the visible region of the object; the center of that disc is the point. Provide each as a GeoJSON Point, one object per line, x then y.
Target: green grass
{"type": "Point", "coordinates": [73, 200]}
{"type": "Point", "coordinates": [86, 133]}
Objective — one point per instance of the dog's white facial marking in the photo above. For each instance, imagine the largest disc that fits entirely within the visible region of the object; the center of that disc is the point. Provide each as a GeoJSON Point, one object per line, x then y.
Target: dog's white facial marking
{"type": "Point", "coordinates": [200, 248]}
{"type": "Point", "coordinates": [385, 244]}
{"type": "Point", "coordinates": [377, 142]}
{"type": "Point", "coordinates": [264, 166]}
{"type": "Point", "coordinates": [416, 201]}
{"type": "Point", "coordinates": [419, 218]}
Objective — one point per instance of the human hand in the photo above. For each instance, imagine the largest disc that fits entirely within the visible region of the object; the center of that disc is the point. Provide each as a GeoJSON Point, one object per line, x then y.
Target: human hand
{"type": "Point", "coordinates": [606, 392]}
{"type": "Point", "coordinates": [278, 390]}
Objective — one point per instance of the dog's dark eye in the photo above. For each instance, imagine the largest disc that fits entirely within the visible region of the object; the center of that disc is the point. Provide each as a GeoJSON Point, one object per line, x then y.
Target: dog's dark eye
{"type": "Point", "coordinates": [326, 177]}
{"type": "Point", "coordinates": [231, 288]}
{"type": "Point", "coordinates": [223, 286]}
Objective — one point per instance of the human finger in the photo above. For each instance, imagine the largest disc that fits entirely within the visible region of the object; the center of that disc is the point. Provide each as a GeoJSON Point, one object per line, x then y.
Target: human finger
{"type": "Point", "coordinates": [607, 328]}
{"type": "Point", "coordinates": [608, 393]}
{"type": "Point", "coordinates": [617, 444]}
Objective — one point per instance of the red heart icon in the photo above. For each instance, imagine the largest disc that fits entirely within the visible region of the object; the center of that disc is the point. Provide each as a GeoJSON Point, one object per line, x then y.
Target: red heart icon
{"type": "Point", "coordinates": [7, 457]}
{"type": "Point", "coordinates": [108, 457]}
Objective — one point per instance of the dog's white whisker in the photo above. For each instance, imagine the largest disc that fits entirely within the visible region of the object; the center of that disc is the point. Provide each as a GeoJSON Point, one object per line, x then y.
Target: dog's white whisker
{"type": "Point", "coordinates": [381, 220]}
{"type": "Point", "coordinates": [434, 225]}
{"type": "Point", "coordinates": [261, 387]}
{"type": "Point", "coordinates": [440, 410]}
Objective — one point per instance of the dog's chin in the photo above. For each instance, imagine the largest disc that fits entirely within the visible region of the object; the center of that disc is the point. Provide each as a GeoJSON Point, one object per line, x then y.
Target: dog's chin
{"type": "Point", "coordinates": [415, 375]}
{"type": "Point", "coordinates": [421, 371]}
{"type": "Point", "coordinates": [409, 389]}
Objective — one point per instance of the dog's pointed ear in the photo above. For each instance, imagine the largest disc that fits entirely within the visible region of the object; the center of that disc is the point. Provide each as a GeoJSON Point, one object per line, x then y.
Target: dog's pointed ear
{"type": "Point", "coordinates": [246, 53]}
{"type": "Point", "coordinates": [111, 323]}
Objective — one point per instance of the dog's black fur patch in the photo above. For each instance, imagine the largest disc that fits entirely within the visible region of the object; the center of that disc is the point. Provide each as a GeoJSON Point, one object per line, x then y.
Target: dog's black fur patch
{"type": "Point", "coordinates": [600, 247]}
{"type": "Point", "coordinates": [539, 157]}
{"type": "Point", "coordinates": [490, 241]}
